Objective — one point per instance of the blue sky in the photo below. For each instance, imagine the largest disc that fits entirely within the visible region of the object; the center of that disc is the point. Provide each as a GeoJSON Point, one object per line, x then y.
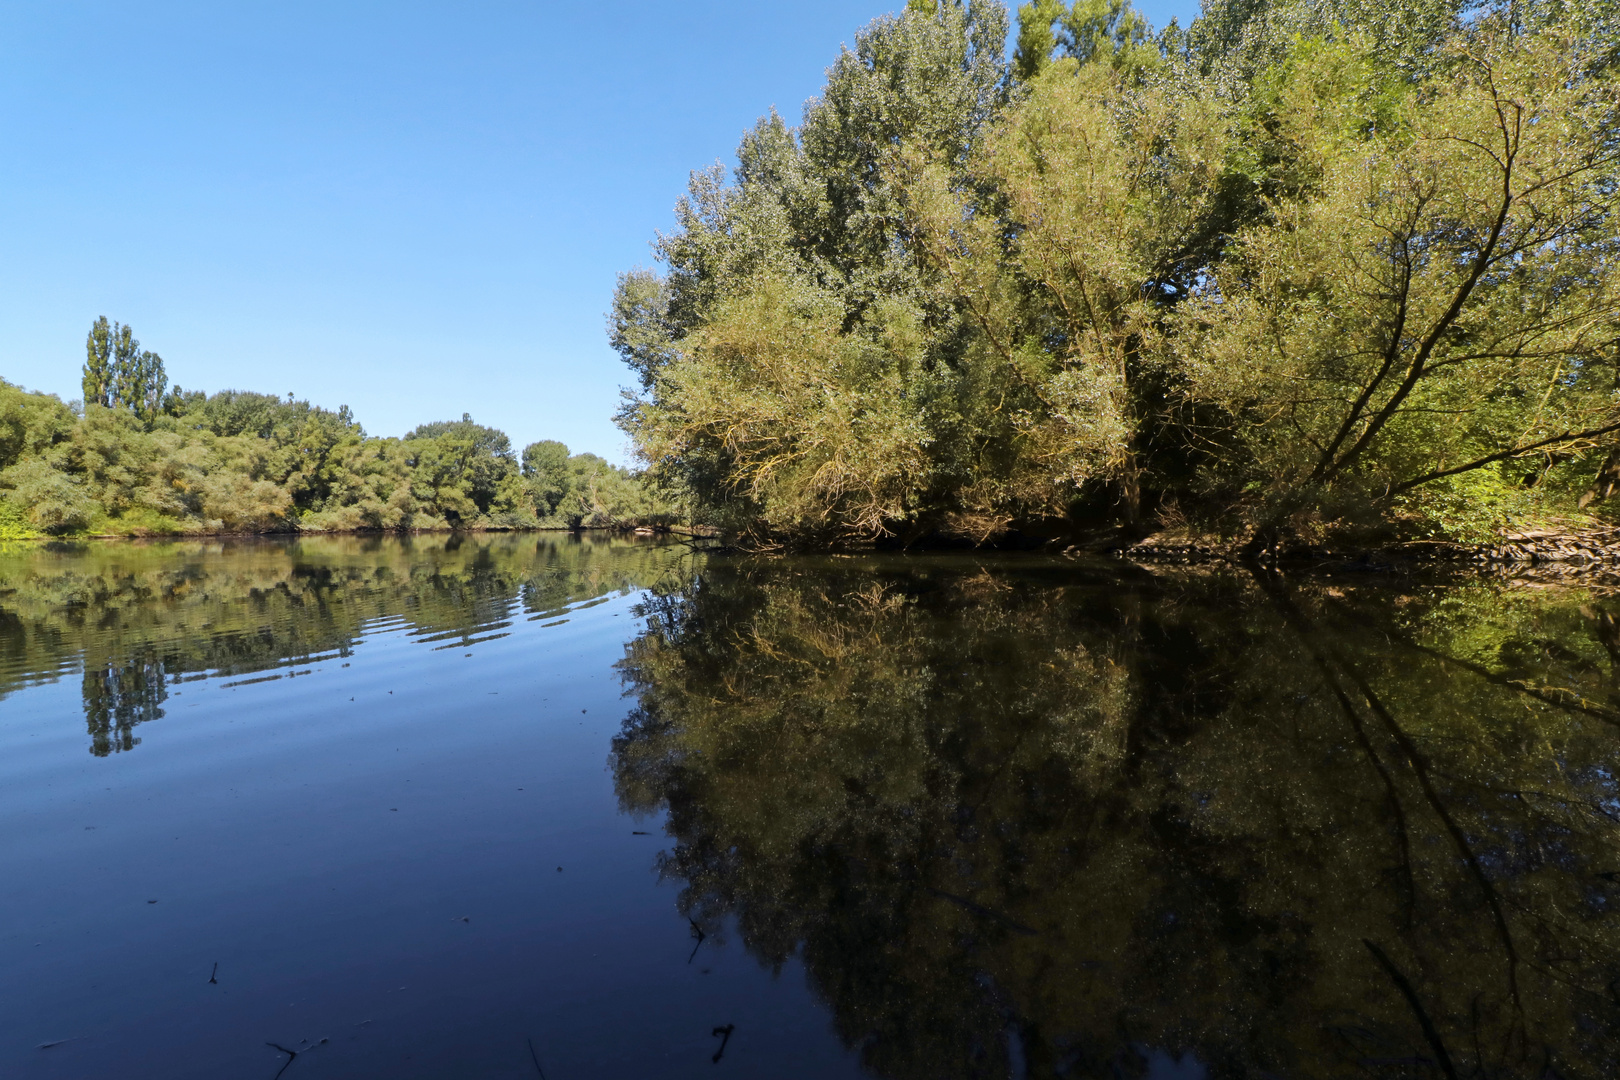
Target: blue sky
{"type": "Point", "coordinates": [413, 209]}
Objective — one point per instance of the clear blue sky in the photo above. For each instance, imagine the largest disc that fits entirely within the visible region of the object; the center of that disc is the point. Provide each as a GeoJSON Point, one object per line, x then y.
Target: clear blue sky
{"type": "Point", "coordinates": [413, 209]}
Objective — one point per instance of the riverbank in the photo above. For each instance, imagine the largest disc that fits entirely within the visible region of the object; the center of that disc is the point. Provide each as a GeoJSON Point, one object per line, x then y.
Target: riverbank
{"type": "Point", "coordinates": [635, 530]}
{"type": "Point", "coordinates": [15, 528]}
{"type": "Point", "coordinates": [1558, 549]}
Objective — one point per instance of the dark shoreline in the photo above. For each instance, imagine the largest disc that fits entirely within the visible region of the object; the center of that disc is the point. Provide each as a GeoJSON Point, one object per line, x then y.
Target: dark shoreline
{"type": "Point", "coordinates": [1543, 553]}
{"type": "Point", "coordinates": [287, 533]}
{"type": "Point", "coordinates": [1593, 548]}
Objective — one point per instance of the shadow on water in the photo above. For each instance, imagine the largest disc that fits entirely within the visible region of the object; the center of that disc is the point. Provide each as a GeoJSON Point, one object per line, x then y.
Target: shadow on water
{"type": "Point", "coordinates": [1019, 819]}
{"type": "Point", "coordinates": [136, 619]}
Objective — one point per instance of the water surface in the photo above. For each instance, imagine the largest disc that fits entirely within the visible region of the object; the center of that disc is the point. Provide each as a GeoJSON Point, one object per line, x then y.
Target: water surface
{"type": "Point", "coordinates": [459, 805]}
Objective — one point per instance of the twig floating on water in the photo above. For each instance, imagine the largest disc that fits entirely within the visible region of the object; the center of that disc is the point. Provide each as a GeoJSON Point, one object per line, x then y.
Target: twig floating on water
{"type": "Point", "coordinates": [534, 1057]}
{"type": "Point", "coordinates": [292, 1055]}
{"type": "Point", "coordinates": [725, 1037]}
{"type": "Point", "coordinates": [698, 931]}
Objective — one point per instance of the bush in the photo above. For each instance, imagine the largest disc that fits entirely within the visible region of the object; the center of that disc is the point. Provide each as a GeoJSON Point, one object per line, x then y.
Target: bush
{"type": "Point", "coordinates": [55, 502]}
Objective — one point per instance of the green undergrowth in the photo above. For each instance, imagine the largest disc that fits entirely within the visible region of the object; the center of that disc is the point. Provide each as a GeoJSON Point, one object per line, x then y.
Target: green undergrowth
{"type": "Point", "coordinates": [13, 526]}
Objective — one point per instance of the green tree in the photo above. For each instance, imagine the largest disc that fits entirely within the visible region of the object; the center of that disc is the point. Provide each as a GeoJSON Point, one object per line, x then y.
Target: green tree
{"type": "Point", "coordinates": [118, 373]}
{"type": "Point", "coordinates": [1077, 231]}
{"type": "Point", "coordinates": [463, 469]}
{"type": "Point", "coordinates": [546, 472]}
{"type": "Point", "coordinates": [1313, 265]}
{"type": "Point", "coordinates": [805, 255]}
{"type": "Point", "coordinates": [1085, 30]}
{"type": "Point", "coordinates": [53, 501]}
{"type": "Point", "coordinates": [1436, 294]}
{"type": "Point", "coordinates": [30, 424]}
{"type": "Point", "coordinates": [100, 377]}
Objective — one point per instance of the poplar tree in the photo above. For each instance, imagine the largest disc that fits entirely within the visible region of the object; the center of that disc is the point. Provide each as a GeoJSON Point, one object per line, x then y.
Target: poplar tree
{"type": "Point", "coordinates": [118, 373]}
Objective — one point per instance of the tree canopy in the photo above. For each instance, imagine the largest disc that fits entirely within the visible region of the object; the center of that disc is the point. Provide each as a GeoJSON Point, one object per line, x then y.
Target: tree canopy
{"type": "Point", "coordinates": [1302, 266]}
{"type": "Point", "coordinates": [137, 457]}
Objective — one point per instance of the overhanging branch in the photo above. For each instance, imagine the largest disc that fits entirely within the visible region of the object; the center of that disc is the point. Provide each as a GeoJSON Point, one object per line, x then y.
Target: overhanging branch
{"type": "Point", "coordinates": [1503, 455]}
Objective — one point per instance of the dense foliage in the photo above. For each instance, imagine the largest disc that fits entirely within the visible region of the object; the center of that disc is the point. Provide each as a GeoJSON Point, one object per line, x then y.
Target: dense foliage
{"type": "Point", "coordinates": [140, 457]}
{"type": "Point", "coordinates": [1303, 265]}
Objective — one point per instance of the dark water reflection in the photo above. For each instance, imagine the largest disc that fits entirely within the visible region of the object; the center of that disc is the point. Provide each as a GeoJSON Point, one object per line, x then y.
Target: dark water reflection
{"type": "Point", "coordinates": [135, 618]}
{"type": "Point", "coordinates": [1002, 816]}
{"type": "Point", "coordinates": [1020, 818]}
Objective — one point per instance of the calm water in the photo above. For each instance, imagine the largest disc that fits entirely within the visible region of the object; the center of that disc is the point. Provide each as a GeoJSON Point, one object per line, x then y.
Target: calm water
{"type": "Point", "coordinates": [485, 807]}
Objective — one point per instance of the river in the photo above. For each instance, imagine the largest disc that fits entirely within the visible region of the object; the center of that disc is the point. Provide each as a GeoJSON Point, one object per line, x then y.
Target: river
{"type": "Point", "coordinates": [522, 805]}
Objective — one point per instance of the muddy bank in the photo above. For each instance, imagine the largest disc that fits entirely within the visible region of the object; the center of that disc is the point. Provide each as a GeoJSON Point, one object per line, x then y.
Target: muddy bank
{"type": "Point", "coordinates": [1552, 552]}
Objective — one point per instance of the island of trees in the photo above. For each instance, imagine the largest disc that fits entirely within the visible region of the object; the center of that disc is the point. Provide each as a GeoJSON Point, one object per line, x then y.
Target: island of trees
{"type": "Point", "coordinates": [1304, 269]}
{"type": "Point", "coordinates": [140, 457]}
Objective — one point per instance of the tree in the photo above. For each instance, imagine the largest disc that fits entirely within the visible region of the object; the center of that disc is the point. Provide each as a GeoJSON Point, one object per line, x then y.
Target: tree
{"type": "Point", "coordinates": [1434, 292]}
{"type": "Point", "coordinates": [139, 461]}
{"type": "Point", "coordinates": [100, 377]}
{"type": "Point", "coordinates": [463, 469]}
{"type": "Point", "coordinates": [795, 351]}
{"type": "Point", "coordinates": [1083, 215]}
{"type": "Point", "coordinates": [30, 424]}
{"type": "Point", "coordinates": [1085, 30]}
{"type": "Point", "coordinates": [118, 373]}
{"type": "Point", "coordinates": [52, 500]}
{"type": "Point", "coordinates": [1314, 264]}
{"type": "Point", "coordinates": [546, 472]}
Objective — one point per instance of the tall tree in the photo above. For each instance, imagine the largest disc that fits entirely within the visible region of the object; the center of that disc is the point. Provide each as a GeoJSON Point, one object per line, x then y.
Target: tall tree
{"type": "Point", "coordinates": [796, 359]}
{"type": "Point", "coordinates": [118, 373]}
{"type": "Point", "coordinates": [99, 377]}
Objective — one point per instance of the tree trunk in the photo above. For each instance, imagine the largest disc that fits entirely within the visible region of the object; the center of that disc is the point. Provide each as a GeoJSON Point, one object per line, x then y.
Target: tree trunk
{"type": "Point", "coordinates": [1607, 482]}
{"type": "Point", "coordinates": [1130, 492]}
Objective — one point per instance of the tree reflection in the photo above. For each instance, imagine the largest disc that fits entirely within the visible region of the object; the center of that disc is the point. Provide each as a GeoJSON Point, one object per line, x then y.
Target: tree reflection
{"type": "Point", "coordinates": [134, 617]}
{"type": "Point", "coordinates": [1021, 816]}
{"type": "Point", "coordinates": [118, 698]}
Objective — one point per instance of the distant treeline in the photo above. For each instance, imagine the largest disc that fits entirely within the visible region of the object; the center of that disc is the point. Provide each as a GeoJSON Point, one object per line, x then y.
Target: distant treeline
{"type": "Point", "coordinates": [141, 457]}
{"type": "Point", "coordinates": [1300, 266]}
